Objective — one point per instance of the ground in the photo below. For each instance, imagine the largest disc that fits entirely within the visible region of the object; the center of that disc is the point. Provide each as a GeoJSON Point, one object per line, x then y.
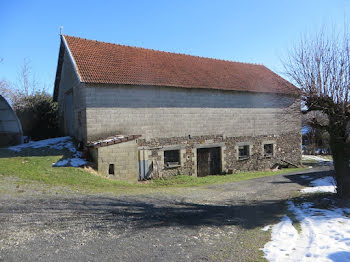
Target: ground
{"type": "Point", "coordinates": [221, 222]}
{"type": "Point", "coordinates": [50, 210]}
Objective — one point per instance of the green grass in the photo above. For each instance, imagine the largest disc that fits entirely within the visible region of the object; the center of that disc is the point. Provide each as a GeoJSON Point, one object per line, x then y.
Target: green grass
{"type": "Point", "coordinates": [38, 168]}
{"type": "Point", "coordinates": [182, 180]}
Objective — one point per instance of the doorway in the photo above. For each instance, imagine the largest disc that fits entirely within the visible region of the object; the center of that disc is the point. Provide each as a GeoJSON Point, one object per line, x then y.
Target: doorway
{"type": "Point", "coordinates": [208, 161]}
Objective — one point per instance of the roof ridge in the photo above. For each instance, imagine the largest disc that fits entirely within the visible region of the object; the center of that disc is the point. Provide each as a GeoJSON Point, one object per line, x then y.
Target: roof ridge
{"type": "Point", "coordinates": [168, 52]}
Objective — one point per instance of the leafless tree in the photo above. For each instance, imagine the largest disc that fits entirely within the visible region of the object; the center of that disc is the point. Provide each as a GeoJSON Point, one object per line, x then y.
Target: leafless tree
{"type": "Point", "coordinates": [320, 65]}
{"type": "Point", "coordinates": [25, 85]}
{"type": "Point", "coordinates": [5, 88]}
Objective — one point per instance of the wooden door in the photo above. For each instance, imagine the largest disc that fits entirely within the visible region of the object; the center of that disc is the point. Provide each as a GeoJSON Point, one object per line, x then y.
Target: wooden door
{"type": "Point", "coordinates": [208, 161]}
{"type": "Point", "coordinates": [203, 166]}
{"type": "Point", "coordinates": [215, 161]}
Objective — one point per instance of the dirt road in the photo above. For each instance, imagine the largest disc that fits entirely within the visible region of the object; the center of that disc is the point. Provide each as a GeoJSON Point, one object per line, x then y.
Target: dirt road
{"type": "Point", "coordinates": [213, 223]}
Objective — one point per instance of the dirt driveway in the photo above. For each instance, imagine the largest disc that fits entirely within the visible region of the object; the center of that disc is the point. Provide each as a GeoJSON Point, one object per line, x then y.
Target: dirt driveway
{"type": "Point", "coordinates": [213, 223]}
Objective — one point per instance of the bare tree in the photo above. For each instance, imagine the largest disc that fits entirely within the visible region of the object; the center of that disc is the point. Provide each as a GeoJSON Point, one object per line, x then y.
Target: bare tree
{"type": "Point", "coordinates": [27, 84]}
{"type": "Point", "coordinates": [5, 87]}
{"type": "Point", "coordinates": [320, 65]}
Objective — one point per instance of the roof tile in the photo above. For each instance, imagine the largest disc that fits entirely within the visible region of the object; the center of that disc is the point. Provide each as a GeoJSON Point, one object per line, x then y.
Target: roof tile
{"type": "Point", "coordinates": [106, 63]}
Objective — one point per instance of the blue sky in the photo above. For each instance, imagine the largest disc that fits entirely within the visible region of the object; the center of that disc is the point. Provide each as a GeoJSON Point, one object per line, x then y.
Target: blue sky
{"type": "Point", "coordinates": [247, 31]}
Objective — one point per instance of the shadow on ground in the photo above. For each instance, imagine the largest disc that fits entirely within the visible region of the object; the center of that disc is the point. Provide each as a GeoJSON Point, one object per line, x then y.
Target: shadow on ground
{"type": "Point", "coordinates": [308, 175]}
{"type": "Point", "coordinates": [140, 212]}
{"type": "Point", "coordinates": [32, 152]}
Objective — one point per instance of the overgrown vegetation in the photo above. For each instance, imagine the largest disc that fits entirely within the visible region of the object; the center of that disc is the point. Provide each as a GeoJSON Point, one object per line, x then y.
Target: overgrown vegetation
{"type": "Point", "coordinates": [32, 103]}
{"type": "Point", "coordinates": [38, 115]}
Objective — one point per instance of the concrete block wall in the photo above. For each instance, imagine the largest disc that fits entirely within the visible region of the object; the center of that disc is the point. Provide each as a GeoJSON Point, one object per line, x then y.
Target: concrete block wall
{"type": "Point", "coordinates": [70, 83]}
{"type": "Point", "coordinates": [177, 112]}
{"type": "Point", "coordinates": [123, 156]}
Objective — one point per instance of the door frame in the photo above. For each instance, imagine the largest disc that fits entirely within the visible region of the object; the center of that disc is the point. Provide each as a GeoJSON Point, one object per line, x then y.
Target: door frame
{"type": "Point", "coordinates": [222, 145]}
{"type": "Point", "coordinates": [209, 167]}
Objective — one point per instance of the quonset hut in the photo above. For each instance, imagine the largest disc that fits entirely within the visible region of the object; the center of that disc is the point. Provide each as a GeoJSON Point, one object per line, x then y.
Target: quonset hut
{"type": "Point", "coordinates": [10, 126]}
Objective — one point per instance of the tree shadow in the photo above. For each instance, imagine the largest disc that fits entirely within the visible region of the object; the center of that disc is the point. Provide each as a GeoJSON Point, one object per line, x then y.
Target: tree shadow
{"type": "Point", "coordinates": [105, 213]}
{"type": "Point", "coordinates": [306, 176]}
{"type": "Point", "coordinates": [143, 212]}
{"type": "Point", "coordinates": [340, 256]}
{"type": "Point", "coordinates": [33, 152]}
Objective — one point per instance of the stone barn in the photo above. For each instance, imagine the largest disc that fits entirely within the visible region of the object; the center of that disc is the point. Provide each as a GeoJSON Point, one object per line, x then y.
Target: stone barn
{"type": "Point", "coordinates": [145, 113]}
{"type": "Point", "coordinates": [10, 126]}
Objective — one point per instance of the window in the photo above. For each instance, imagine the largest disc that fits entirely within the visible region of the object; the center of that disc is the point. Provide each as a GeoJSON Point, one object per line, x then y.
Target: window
{"type": "Point", "coordinates": [243, 152]}
{"type": "Point", "coordinates": [268, 150]}
{"type": "Point", "coordinates": [111, 169]}
{"type": "Point", "coordinates": [171, 158]}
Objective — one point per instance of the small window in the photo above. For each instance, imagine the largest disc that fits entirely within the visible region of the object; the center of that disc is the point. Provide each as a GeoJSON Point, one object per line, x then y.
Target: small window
{"type": "Point", "coordinates": [171, 158]}
{"type": "Point", "coordinates": [243, 152]}
{"type": "Point", "coordinates": [111, 169]}
{"type": "Point", "coordinates": [268, 150]}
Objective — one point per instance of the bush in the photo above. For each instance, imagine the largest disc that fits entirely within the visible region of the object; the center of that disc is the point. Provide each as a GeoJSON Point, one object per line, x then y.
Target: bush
{"type": "Point", "coordinates": [38, 114]}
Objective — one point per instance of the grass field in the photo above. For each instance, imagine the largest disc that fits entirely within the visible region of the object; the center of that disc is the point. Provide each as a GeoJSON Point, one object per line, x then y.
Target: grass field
{"type": "Point", "coordinates": [35, 165]}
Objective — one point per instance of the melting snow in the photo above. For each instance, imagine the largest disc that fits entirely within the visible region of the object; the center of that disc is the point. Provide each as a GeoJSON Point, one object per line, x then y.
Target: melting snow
{"type": "Point", "coordinates": [58, 143]}
{"type": "Point", "coordinates": [325, 236]}
{"type": "Point", "coordinates": [266, 228]}
{"type": "Point", "coordinates": [326, 184]}
{"type": "Point", "coordinates": [320, 160]}
{"type": "Point", "coordinates": [53, 143]}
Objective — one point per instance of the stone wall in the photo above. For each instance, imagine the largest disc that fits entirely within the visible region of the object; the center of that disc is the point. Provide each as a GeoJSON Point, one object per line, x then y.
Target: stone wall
{"type": "Point", "coordinates": [123, 156]}
{"type": "Point", "coordinates": [286, 147]}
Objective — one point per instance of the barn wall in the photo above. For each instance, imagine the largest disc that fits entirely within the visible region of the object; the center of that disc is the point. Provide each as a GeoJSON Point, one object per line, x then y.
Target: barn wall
{"type": "Point", "coordinates": [160, 112]}
{"type": "Point", "coordinates": [70, 85]}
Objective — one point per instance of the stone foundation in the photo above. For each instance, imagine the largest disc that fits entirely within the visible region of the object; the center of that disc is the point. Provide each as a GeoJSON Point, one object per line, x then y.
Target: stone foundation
{"type": "Point", "coordinates": [286, 147]}
{"type": "Point", "coordinates": [141, 158]}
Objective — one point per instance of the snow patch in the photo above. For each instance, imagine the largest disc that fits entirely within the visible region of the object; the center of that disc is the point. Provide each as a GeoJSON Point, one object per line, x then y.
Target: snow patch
{"type": "Point", "coordinates": [53, 143]}
{"type": "Point", "coordinates": [322, 161]}
{"type": "Point", "coordinates": [326, 184]}
{"type": "Point", "coordinates": [283, 240]}
{"type": "Point", "coordinates": [58, 143]}
{"type": "Point", "coordinates": [325, 236]}
{"type": "Point", "coordinates": [266, 228]}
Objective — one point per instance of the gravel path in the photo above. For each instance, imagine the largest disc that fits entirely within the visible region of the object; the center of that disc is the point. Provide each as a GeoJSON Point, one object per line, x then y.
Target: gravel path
{"type": "Point", "coordinates": [213, 223]}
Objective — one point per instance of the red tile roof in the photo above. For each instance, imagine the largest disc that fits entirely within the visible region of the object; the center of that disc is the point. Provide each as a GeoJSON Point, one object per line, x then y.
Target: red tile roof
{"type": "Point", "coordinates": [106, 63]}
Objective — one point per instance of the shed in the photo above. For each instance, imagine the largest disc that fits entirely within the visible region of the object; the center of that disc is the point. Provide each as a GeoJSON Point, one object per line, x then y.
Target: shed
{"type": "Point", "coordinates": [10, 126]}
